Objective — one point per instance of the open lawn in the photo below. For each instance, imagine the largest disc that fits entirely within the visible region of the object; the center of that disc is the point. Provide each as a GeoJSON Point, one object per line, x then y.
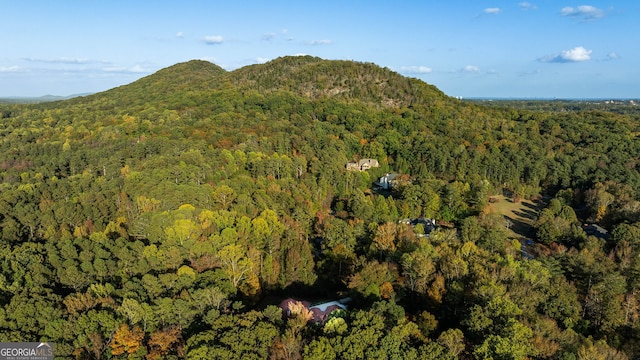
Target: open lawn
{"type": "Point", "coordinates": [521, 214]}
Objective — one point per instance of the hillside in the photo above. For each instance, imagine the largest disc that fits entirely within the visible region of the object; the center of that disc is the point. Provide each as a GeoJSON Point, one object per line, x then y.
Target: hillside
{"type": "Point", "coordinates": [195, 82]}
{"type": "Point", "coordinates": [168, 217]}
{"type": "Point", "coordinates": [182, 78]}
{"type": "Point", "coordinates": [315, 78]}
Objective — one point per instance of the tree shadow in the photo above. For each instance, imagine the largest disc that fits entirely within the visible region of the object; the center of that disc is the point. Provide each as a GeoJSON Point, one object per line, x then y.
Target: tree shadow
{"type": "Point", "coordinates": [521, 228]}
{"type": "Point", "coordinates": [535, 206]}
{"type": "Point", "coordinates": [527, 214]}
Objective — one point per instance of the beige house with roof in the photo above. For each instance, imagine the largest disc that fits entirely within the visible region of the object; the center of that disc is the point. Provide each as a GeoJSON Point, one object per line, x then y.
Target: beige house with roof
{"type": "Point", "coordinates": [362, 165]}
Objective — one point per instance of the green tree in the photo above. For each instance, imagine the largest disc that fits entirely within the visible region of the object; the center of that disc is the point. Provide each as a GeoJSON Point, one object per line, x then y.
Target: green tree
{"type": "Point", "coordinates": [513, 343]}
{"type": "Point", "coordinates": [235, 263]}
{"type": "Point", "coordinates": [453, 340]}
{"type": "Point", "coordinates": [223, 196]}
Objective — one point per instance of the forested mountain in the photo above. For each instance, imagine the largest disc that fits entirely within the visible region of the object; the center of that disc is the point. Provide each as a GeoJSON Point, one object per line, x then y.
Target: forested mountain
{"type": "Point", "coordinates": [169, 217]}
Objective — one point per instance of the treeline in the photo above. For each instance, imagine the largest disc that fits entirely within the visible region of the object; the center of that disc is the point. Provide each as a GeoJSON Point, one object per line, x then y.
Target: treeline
{"type": "Point", "coordinates": [159, 219]}
{"type": "Point", "coordinates": [618, 106]}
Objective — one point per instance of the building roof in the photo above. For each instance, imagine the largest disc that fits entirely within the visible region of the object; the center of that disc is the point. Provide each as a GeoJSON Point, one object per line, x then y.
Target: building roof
{"type": "Point", "coordinates": [363, 164]}
{"type": "Point", "coordinates": [320, 312]}
{"type": "Point", "coordinates": [595, 230]}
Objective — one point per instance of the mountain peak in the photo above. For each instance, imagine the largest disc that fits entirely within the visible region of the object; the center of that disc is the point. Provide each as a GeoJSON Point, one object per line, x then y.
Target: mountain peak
{"type": "Point", "coordinates": [194, 66]}
{"type": "Point", "coordinates": [193, 74]}
{"type": "Point", "coordinates": [313, 77]}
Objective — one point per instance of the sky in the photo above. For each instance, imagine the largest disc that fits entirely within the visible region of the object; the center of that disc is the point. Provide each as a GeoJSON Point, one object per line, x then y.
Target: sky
{"type": "Point", "coordinates": [472, 48]}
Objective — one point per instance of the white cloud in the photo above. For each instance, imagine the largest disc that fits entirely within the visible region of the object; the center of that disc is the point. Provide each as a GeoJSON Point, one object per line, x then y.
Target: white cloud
{"type": "Point", "coordinates": [180, 34]}
{"type": "Point", "coordinates": [10, 69]}
{"type": "Point", "coordinates": [576, 54]}
{"type": "Point", "coordinates": [213, 39]}
{"type": "Point", "coordinates": [527, 6]}
{"type": "Point", "coordinates": [262, 60]}
{"type": "Point", "coordinates": [471, 69]}
{"type": "Point", "coordinates": [136, 69]}
{"type": "Point", "coordinates": [63, 60]}
{"type": "Point", "coordinates": [585, 12]}
{"type": "Point", "coordinates": [320, 42]}
{"type": "Point", "coordinates": [493, 10]}
{"type": "Point", "coordinates": [415, 69]}
{"type": "Point", "coordinates": [277, 35]}
{"type": "Point", "coordinates": [612, 56]}
{"type": "Point", "coordinates": [530, 73]}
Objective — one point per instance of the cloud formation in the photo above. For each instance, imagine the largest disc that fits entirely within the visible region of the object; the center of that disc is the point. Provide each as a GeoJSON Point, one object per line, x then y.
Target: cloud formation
{"type": "Point", "coordinates": [612, 56]}
{"type": "Point", "coordinates": [470, 69]}
{"type": "Point", "coordinates": [415, 69]}
{"type": "Point", "coordinates": [576, 54]}
{"type": "Point", "coordinates": [276, 35]}
{"type": "Point", "coordinates": [136, 69]}
{"type": "Point", "coordinates": [320, 42]}
{"type": "Point", "coordinates": [63, 60]}
{"type": "Point", "coordinates": [530, 73]}
{"type": "Point", "coordinates": [493, 10]}
{"type": "Point", "coordinates": [527, 6]}
{"type": "Point", "coordinates": [584, 12]}
{"type": "Point", "coordinates": [213, 39]}
{"type": "Point", "coordinates": [9, 69]}
{"type": "Point", "coordinates": [180, 34]}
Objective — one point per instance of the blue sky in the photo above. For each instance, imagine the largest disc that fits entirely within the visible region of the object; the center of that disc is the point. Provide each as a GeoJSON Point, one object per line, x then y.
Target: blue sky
{"type": "Point", "coordinates": [535, 49]}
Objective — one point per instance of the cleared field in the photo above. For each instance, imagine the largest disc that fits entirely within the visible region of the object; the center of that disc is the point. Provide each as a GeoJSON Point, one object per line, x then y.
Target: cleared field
{"type": "Point", "coordinates": [521, 214]}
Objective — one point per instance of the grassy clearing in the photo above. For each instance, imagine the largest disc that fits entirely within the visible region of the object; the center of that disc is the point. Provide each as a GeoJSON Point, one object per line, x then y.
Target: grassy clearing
{"type": "Point", "coordinates": [521, 214]}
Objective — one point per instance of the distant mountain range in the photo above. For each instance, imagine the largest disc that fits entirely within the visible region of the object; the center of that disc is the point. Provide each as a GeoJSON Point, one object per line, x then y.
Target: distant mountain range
{"type": "Point", "coordinates": [40, 99]}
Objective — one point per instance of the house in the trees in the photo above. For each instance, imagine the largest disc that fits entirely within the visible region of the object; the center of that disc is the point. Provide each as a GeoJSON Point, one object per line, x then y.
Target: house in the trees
{"type": "Point", "coordinates": [387, 181]}
{"type": "Point", "coordinates": [320, 312]}
{"type": "Point", "coordinates": [362, 165]}
{"type": "Point", "coordinates": [595, 230]}
{"type": "Point", "coordinates": [427, 224]}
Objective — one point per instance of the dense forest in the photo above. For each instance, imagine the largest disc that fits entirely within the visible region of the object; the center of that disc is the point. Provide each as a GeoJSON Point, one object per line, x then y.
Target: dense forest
{"type": "Point", "coordinates": [169, 218]}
